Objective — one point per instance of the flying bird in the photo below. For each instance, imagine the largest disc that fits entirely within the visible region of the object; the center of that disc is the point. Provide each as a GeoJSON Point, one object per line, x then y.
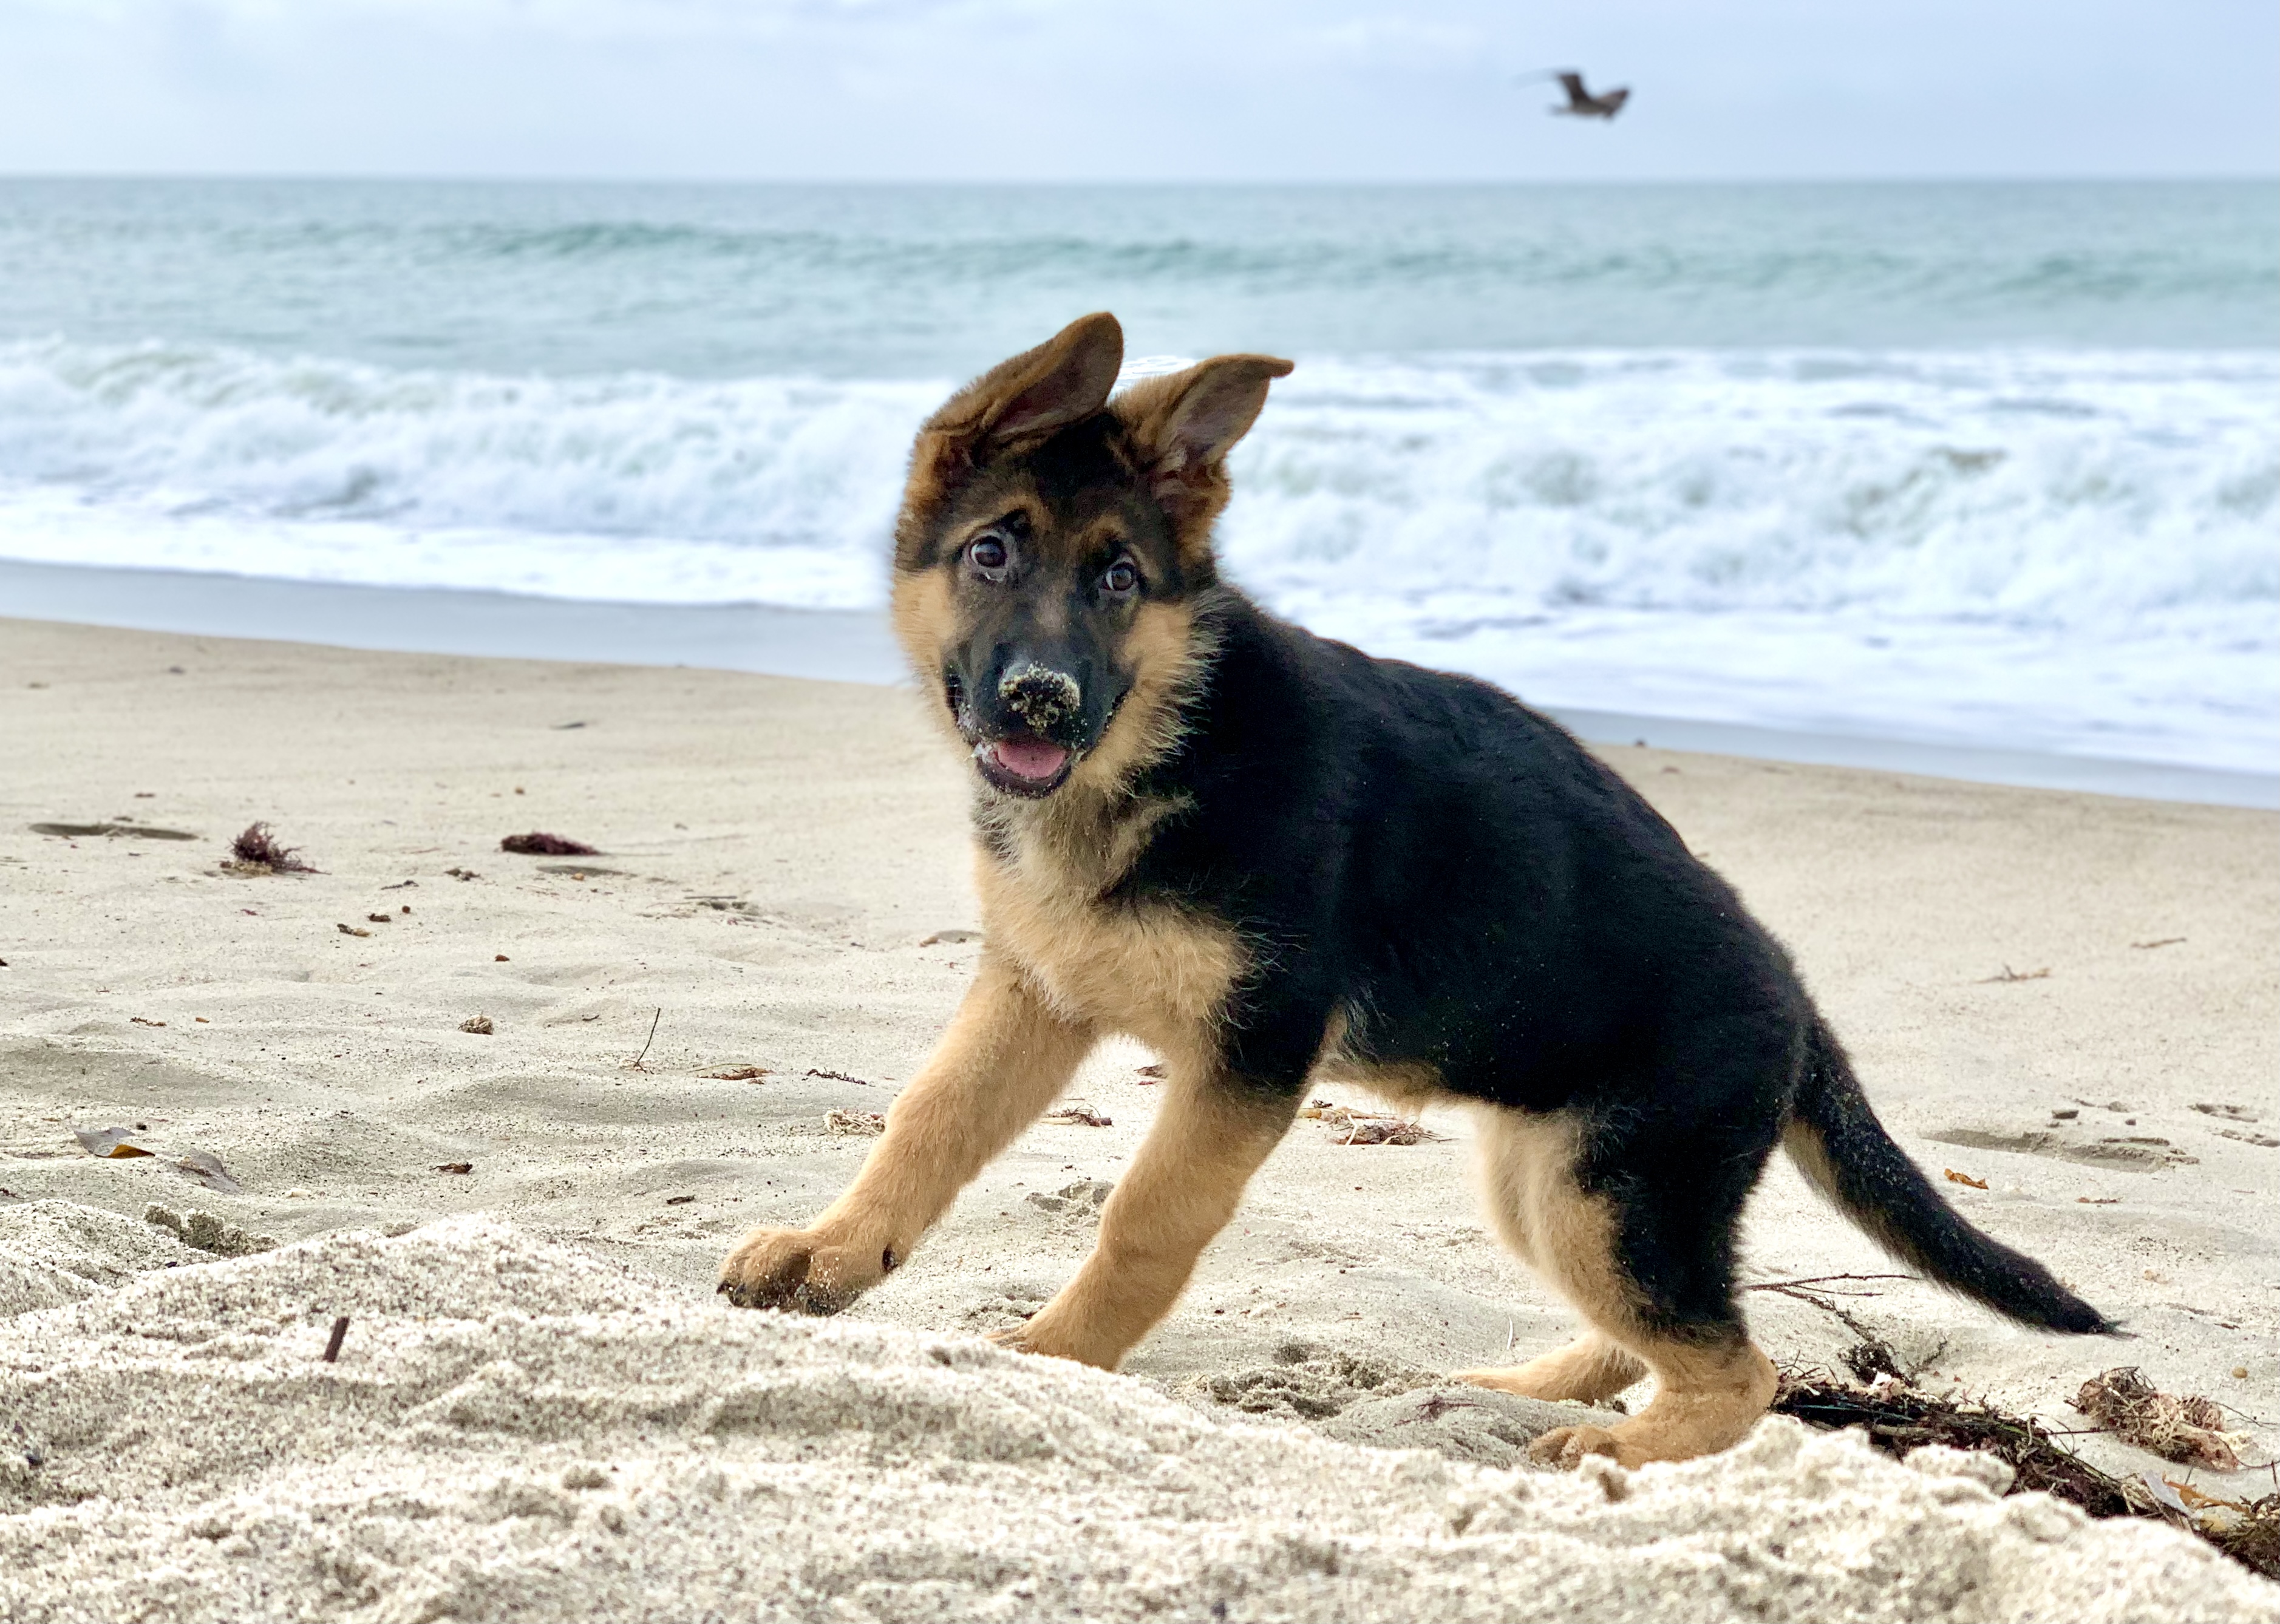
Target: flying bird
{"type": "Point", "coordinates": [1581, 103]}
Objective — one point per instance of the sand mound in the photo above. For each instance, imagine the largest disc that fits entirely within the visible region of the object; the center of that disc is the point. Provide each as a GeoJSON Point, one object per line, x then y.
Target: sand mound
{"type": "Point", "coordinates": [515, 1429]}
{"type": "Point", "coordinates": [53, 1252]}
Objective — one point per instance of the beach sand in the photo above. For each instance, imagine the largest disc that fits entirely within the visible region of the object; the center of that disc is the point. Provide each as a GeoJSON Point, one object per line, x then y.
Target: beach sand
{"type": "Point", "coordinates": [539, 1405]}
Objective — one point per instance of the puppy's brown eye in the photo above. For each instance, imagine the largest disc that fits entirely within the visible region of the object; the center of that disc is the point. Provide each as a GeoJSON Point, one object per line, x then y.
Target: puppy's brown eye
{"type": "Point", "coordinates": [986, 553]}
{"type": "Point", "coordinates": [1122, 577]}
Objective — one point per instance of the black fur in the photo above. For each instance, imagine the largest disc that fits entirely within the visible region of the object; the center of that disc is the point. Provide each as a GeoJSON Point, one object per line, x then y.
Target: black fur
{"type": "Point", "coordinates": [1476, 892]}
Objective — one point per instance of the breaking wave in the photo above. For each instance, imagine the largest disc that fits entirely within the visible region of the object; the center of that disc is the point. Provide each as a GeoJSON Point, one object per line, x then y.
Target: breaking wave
{"type": "Point", "coordinates": [2114, 509]}
{"type": "Point", "coordinates": [2066, 489]}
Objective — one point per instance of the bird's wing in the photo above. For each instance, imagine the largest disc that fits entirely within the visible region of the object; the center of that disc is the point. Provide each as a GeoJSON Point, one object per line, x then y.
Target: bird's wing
{"type": "Point", "coordinates": [1613, 100]}
{"type": "Point", "coordinates": [1573, 83]}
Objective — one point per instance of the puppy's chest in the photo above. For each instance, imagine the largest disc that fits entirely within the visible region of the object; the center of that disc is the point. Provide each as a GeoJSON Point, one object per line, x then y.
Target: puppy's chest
{"type": "Point", "coordinates": [1156, 971]}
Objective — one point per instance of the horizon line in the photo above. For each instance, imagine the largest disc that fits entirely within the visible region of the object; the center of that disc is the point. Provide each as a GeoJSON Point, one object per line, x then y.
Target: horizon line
{"type": "Point", "coordinates": [409, 177]}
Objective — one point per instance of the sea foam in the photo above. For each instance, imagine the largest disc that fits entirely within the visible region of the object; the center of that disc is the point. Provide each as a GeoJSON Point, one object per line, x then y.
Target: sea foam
{"type": "Point", "coordinates": [1719, 532]}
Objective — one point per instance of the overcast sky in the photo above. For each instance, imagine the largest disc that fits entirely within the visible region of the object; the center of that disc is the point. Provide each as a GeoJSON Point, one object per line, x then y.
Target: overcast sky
{"type": "Point", "coordinates": [1092, 89]}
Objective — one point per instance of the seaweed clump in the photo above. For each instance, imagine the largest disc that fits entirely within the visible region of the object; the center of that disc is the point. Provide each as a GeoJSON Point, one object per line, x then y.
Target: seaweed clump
{"type": "Point", "coordinates": [256, 851]}
{"type": "Point", "coordinates": [1899, 1418]}
{"type": "Point", "coordinates": [540, 844]}
{"type": "Point", "coordinates": [2190, 1431]}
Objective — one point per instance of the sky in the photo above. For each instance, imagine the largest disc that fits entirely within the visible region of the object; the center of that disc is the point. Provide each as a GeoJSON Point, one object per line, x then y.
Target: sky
{"type": "Point", "coordinates": [1107, 89]}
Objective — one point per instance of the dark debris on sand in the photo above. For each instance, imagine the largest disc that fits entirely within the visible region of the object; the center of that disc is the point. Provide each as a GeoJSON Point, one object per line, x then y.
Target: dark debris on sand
{"type": "Point", "coordinates": [256, 851]}
{"type": "Point", "coordinates": [1898, 1418]}
{"type": "Point", "coordinates": [538, 844]}
{"type": "Point", "coordinates": [2190, 1431]}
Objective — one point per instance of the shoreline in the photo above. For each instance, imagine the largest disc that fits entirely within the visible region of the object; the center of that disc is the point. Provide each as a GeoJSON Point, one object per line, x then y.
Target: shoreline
{"type": "Point", "coordinates": [856, 646]}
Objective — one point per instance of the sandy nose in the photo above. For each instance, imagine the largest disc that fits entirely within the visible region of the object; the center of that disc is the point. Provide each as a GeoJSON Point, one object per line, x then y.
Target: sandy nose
{"type": "Point", "coordinates": [1038, 694]}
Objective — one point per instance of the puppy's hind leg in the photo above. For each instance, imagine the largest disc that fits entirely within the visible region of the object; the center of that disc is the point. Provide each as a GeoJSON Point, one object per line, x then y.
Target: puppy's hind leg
{"type": "Point", "coordinates": [1652, 1275]}
{"type": "Point", "coordinates": [1590, 1370]}
{"type": "Point", "coordinates": [1519, 1153]}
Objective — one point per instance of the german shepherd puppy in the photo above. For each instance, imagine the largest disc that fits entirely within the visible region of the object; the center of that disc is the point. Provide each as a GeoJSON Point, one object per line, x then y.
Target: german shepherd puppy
{"type": "Point", "coordinates": [1272, 857]}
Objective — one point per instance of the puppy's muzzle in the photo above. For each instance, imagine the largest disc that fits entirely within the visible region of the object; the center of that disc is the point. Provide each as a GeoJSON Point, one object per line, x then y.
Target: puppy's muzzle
{"type": "Point", "coordinates": [1043, 699]}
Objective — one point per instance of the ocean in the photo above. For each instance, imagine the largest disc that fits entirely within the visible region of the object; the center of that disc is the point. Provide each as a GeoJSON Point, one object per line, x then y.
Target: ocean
{"type": "Point", "coordinates": [1970, 464]}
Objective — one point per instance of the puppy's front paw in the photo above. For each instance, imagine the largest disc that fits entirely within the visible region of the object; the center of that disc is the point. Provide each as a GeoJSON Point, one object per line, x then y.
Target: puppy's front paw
{"type": "Point", "coordinates": [798, 1270]}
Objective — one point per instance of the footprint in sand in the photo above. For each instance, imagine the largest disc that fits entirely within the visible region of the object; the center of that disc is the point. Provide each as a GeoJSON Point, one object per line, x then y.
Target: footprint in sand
{"type": "Point", "coordinates": [2135, 1153]}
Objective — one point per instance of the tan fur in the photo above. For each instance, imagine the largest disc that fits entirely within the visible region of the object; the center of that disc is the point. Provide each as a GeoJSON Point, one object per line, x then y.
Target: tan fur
{"type": "Point", "coordinates": [925, 618]}
{"type": "Point", "coordinates": [1407, 1086]}
{"type": "Point", "coordinates": [1170, 650]}
{"type": "Point", "coordinates": [1008, 1053]}
{"type": "Point", "coordinates": [1592, 1369]}
{"type": "Point", "coordinates": [1181, 1189]}
{"type": "Point", "coordinates": [1811, 1155]}
{"type": "Point", "coordinates": [1707, 1397]}
{"type": "Point", "coordinates": [1155, 972]}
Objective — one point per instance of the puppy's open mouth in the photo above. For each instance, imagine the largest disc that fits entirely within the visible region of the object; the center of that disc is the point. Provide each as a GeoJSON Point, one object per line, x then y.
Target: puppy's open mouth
{"type": "Point", "coordinates": [1023, 766]}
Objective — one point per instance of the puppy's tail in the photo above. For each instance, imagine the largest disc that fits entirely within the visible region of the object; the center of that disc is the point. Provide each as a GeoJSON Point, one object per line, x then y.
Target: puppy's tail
{"type": "Point", "coordinates": [1836, 1140]}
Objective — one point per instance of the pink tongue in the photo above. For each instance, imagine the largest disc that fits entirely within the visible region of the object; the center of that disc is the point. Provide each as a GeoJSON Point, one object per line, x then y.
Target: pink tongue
{"type": "Point", "coordinates": [1030, 758]}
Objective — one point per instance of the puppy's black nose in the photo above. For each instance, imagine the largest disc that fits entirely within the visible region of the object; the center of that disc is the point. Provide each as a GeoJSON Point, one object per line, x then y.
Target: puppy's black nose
{"type": "Point", "coordinates": [1040, 696]}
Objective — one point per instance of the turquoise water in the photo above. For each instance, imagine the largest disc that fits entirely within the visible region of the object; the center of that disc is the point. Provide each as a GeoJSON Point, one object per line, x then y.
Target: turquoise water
{"type": "Point", "coordinates": [1991, 463]}
{"type": "Point", "coordinates": [900, 283]}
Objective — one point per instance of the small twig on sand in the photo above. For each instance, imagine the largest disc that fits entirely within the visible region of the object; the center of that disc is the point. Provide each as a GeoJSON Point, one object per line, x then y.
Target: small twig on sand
{"type": "Point", "coordinates": [1815, 1279]}
{"type": "Point", "coordinates": [2009, 974]}
{"type": "Point", "coordinates": [332, 1342]}
{"type": "Point", "coordinates": [634, 1065]}
{"type": "Point", "coordinates": [1814, 1291]}
{"type": "Point", "coordinates": [1813, 1301]}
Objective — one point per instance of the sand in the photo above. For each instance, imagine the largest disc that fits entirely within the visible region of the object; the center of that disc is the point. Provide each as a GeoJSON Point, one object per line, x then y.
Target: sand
{"type": "Point", "coordinates": [543, 1407]}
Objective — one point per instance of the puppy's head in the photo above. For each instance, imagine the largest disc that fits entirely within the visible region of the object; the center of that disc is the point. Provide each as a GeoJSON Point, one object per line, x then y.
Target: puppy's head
{"type": "Point", "coordinates": [1053, 547]}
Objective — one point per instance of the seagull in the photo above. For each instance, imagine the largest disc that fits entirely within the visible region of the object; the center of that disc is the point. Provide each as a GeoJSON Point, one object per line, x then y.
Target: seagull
{"type": "Point", "coordinates": [1581, 103]}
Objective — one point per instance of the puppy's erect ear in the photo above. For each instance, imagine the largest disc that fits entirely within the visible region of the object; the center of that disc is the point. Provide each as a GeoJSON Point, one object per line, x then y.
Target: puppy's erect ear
{"type": "Point", "coordinates": [1063, 380]}
{"type": "Point", "coordinates": [1183, 426]}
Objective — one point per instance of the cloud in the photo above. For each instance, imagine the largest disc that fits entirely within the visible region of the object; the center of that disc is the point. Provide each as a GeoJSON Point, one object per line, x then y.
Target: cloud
{"type": "Point", "coordinates": [1042, 89]}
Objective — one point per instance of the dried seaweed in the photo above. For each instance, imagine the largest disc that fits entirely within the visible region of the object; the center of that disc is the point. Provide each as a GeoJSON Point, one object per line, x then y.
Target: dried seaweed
{"type": "Point", "coordinates": [2253, 1540]}
{"type": "Point", "coordinates": [1348, 1126]}
{"type": "Point", "coordinates": [1078, 1114]}
{"type": "Point", "coordinates": [256, 851]}
{"type": "Point", "coordinates": [2189, 1431]}
{"type": "Point", "coordinates": [1898, 1418]}
{"type": "Point", "coordinates": [538, 844]}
